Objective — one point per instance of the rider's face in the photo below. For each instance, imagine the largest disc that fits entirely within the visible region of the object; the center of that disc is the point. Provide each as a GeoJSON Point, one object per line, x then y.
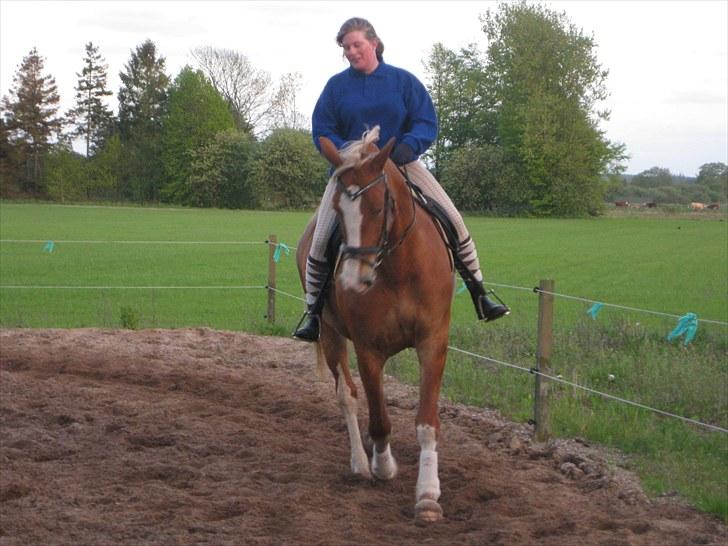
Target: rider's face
{"type": "Point", "coordinates": [360, 52]}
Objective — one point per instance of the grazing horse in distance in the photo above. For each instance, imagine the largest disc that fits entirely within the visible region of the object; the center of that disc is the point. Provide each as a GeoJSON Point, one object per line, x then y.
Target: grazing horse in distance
{"type": "Point", "coordinates": [391, 289]}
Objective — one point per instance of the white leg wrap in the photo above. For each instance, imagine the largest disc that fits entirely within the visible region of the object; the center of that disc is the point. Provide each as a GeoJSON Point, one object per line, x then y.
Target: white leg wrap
{"type": "Point", "coordinates": [428, 483]}
{"type": "Point", "coordinates": [384, 466]}
{"type": "Point", "coordinates": [348, 405]}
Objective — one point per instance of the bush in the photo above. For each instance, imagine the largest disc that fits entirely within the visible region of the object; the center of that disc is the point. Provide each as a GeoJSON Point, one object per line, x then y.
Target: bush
{"type": "Point", "coordinates": [66, 176]}
{"type": "Point", "coordinates": [290, 170]}
{"type": "Point", "coordinates": [479, 178]}
{"type": "Point", "coordinates": [220, 173]}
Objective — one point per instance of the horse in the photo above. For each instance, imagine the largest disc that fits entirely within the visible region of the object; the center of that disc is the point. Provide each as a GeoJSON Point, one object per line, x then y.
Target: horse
{"type": "Point", "coordinates": [391, 289]}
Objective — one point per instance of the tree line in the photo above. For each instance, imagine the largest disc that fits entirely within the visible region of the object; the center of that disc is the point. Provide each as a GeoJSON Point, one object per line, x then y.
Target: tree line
{"type": "Point", "coordinates": [519, 128]}
{"type": "Point", "coordinates": [658, 185]}
{"type": "Point", "coordinates": [214, 136]}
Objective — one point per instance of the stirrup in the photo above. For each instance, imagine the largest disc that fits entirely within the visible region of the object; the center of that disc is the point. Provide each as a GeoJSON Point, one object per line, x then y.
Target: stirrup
{"type": "Point", "coordinates": [308, 328]}
{"type": "Point", "coordinates": [489, 310]}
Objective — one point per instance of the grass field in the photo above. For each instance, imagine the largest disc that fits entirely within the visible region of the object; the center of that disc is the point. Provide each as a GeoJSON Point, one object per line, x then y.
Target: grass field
{"type": "Point", "coordinates": [158, 267]}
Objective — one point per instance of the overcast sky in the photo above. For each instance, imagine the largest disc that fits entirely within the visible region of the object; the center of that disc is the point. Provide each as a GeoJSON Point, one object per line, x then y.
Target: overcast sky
{"type": "Point", "coordinates": [667, 60]}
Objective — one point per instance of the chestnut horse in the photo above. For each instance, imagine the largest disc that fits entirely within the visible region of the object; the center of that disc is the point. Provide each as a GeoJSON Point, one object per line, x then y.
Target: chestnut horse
{"type": "Point", "coordinates": [391, 289]}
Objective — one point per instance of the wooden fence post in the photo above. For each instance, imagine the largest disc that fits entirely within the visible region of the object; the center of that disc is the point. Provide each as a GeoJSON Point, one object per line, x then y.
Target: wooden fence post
{"type": "Point", "coordinates": [272, 244]}
{"type": "Point", "coordinates": [543, 358]}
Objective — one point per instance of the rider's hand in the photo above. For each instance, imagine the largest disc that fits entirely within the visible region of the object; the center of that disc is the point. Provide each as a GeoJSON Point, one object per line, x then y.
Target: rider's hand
{"type": "Point", "coordinates": [403, 154]}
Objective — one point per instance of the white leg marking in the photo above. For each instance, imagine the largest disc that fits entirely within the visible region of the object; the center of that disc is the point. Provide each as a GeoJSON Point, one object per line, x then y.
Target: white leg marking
{"type": "Point", "coordinates": [428, 484]}
{"type": "Point", "coordinates": [384, 466]}
{"type": "Point", "coordinates": [348, 405]}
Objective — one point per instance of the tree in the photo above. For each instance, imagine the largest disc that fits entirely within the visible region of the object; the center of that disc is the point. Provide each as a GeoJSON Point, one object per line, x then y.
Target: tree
{"type": "Point", "coordinates": [91, 119]}
{"type": "Point", "coordinates": [547, 83]}
{"type": "Point", "coordinates": [30, 120]}
{"type": "Point", "coordinates": [106, 169]}
{"type": "Point", "coordinates": [195, 113]}
{"type": "Point", "coordinates": [479, 178]}
{"type": "Point", "coordinates": [654, 177]}
{"type": "Point", "coordinates": [245, 88]}
{"type": "Point", "coordinates": [142, 102]}
{"type": "Point", "coordinates": [284, 111]}
{"type": "Point", "coordinates": [290, 170]}
{"type": "Point", "coordinates": [463, 102]}
{"type": "Point", "coordinates": [143, 95]}
{"type": "Point", "coordinates": [221, 173]}
{"type": "Point", "coordinates": [714, 176]}
{"type": "Point", "coordinates": [65, 175]}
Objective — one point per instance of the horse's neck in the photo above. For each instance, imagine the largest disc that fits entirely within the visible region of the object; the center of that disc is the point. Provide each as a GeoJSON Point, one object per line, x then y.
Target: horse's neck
{"type": "Point", "coordinates": [405, 211]}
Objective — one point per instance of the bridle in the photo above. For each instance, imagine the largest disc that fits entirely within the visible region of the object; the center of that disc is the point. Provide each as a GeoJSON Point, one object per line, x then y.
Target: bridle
{"type": "Point", "coordinates": [384, 245]}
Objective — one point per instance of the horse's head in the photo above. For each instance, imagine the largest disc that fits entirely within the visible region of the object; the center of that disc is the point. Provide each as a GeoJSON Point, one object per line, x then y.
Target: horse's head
{"type": "Point", "coordinates": [363, 204]}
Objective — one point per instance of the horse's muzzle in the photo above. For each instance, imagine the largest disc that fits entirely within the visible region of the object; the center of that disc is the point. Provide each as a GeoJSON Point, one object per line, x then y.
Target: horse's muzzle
{"type": "Point", "coordinates": [358, 275]}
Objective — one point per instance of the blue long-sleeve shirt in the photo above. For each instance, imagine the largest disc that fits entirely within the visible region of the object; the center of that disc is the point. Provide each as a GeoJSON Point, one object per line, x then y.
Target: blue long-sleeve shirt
{"type": "Point", "coordinates": [390, 97]}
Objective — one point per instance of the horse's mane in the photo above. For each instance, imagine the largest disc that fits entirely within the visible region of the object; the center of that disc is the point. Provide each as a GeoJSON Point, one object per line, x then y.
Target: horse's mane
{"type": "Point", "coordinates": [354, 153]}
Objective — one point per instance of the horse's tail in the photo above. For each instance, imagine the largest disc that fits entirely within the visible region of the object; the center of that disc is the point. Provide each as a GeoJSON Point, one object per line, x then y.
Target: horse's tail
{"type": "Point", "coordinates": [320, 362]}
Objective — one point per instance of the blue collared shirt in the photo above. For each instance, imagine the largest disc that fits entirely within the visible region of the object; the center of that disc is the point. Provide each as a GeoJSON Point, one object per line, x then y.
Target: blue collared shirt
{"type": "Point", "coordinates": [390, 97]}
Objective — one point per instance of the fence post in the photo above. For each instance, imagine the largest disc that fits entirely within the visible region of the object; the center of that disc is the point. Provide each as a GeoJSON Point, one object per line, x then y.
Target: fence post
{"type": "Point", "coordinates": [543, 358]}
{"type": "Point", "coordinates": [272, 243]}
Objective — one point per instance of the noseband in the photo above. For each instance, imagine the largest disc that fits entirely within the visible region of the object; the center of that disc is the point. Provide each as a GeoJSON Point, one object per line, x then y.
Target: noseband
{"type": "Point", "coordinates": [383, 247]}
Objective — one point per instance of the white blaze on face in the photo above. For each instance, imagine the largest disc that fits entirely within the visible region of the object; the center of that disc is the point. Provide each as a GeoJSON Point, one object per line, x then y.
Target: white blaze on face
{"type": "Point", "coordinates": [352, 223]}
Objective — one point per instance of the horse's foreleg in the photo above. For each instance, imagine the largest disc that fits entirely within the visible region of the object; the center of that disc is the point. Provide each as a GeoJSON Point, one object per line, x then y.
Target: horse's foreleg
{"type": "Point", "coordinates": [432, 365]}
{"type": "Point", "coordinates": [384, 465]}
{"type": "Point", "coordinates": [346, 394]}
{"type": "Point", "coordinates": [336, 356]}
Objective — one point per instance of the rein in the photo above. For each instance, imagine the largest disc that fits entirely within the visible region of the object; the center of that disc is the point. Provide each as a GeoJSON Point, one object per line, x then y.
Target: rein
{"type": "Point", "coordinates": [383, 248]}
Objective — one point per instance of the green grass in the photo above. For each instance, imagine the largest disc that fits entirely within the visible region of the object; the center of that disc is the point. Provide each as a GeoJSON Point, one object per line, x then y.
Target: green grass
{"type": "Point", "coordinates": [666, 264]}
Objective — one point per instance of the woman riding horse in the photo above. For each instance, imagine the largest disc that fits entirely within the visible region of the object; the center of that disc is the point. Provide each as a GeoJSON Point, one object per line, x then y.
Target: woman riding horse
{"type": "Point", "coordinates": [368, 93]}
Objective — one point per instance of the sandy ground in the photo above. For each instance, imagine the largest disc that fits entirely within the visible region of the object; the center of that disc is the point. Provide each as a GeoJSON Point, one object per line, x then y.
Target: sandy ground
{"type": "Point", "coordinates": [196, 436]}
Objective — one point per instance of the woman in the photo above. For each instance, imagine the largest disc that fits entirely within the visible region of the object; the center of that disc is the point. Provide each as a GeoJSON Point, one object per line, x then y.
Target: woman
{"type": "Point", "coordinates": [369, 93]}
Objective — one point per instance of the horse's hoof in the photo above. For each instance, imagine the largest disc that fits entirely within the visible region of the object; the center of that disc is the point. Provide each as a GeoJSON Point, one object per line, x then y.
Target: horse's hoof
{"type": "Point", "coordinates": [384, 467]}
{"type": "Point", "coordinates": [361, 470]}
{"type": "Point", "coordinates": [427, 511]}
{"type": "Point", "coordinates": [385, 474]}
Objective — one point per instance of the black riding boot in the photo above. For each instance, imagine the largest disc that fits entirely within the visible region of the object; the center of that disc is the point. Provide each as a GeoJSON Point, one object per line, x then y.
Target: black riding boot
{"type": "Point", "coordinates": [485, 308]}
{"type": "Point", "coordinates": [309, 327]}
{"type": "Point", "coordinates": [318, 272]}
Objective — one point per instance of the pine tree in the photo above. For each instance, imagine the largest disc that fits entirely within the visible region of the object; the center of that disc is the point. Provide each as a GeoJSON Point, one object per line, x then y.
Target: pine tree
{"type": "Point", "coordinates": [142, 103]}
{"type": "Point", "coordinates": [143, 94]}
{"type": "Point", "coordinates": [31, 120]}
{"type": "Point", "coordinates": [91, 119]}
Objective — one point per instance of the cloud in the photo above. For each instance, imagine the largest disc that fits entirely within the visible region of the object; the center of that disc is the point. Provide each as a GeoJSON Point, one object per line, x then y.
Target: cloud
{"type": "Point", "coordinates": [150, 21]}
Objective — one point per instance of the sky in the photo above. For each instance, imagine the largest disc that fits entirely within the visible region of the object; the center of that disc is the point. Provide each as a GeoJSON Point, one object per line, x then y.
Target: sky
{"type": "Point", "coordinates": [667, 60]}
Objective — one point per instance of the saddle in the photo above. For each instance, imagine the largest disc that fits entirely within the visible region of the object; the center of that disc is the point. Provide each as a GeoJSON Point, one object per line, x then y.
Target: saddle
{"type": "Point", "coordinates": [447, 229]}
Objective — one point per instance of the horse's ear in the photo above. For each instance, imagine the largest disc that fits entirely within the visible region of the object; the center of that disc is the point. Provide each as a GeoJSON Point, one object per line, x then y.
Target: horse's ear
{"type": "Point", "coordinates": [329, 151]}
{"type": "Point", "coordinates": [383, 154]}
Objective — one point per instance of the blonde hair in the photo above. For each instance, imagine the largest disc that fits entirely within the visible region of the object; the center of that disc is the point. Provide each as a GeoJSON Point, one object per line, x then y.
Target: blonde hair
{"type": "Point", "coordinates": [358, 23]}
{"type": "Point", "coordinates": [354, 153]}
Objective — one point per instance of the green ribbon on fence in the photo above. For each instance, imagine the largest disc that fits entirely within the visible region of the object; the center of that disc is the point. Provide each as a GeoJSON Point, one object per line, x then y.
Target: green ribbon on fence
{"type": "Point", "coordinates": [594, 309]}
{"type": "Point", "coordinates": [277, 252]}
{"type": "Point", "coordinates": [688, 325]}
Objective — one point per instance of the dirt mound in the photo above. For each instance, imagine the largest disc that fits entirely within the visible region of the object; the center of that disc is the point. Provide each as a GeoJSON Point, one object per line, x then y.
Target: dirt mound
{"type": "Point", "coordinates": [197, 436]}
